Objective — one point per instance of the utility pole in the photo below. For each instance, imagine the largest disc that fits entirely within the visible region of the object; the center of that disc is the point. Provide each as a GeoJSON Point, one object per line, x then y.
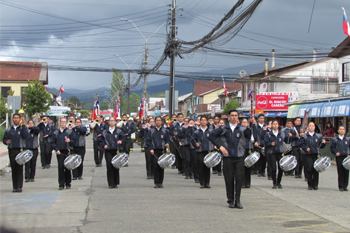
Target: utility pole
{"type": "Point", "coordinates": [145, 63]}
{"type": "Point", "coordinates": [129, 92]}
{"type": "Point", "coordinates": [172, 58]}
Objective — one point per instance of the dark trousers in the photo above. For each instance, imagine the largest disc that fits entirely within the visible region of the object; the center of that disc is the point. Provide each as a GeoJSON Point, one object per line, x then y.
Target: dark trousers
{"type": "Point", "coordinates": [273, 159]}
{"type": "Point", "coordinates": [112, 172]}
{"type": "Point", "coordinates": [98, 153]}
{"type": "Point", "coordinates": [233, 173]}
{"type": "Point", "coordinates": [149, 165]}
{"type": "Point", "coordinates": [310, 172]}
{"type": "Point", "coordinates": [30, 166]}
{"type": "Point", "coordinates": [78, 172]}
{"type": "Point", "coordinates": [203, 170]}
{"type": "Point", "coordinates": [299, 157]}
{"type": "Point", "coordinates": [178, 161]}
{"type": "Point", "coordinates": [45, 153]}
{"type": "Point", "coordinates": [218, 167]}
{"type": "Point", "coordinates": [186, 158]}
{"type": "Point", "coordinates": [64, 175]}
{"type": "Point", "coordinates": [343, 174]}
{"type": "Point", "coordinates": [247, 174]}
{"type": "Point", "coordinates": [261, 164]}
{"type": "Point", "coordinates": [16, 169]}
{"type": "Point", "coordinates": [157, 170]}
{"type": "Point", "coordinates": [194, 163]}
{"type": "Point", "coordinates": [128, 145]}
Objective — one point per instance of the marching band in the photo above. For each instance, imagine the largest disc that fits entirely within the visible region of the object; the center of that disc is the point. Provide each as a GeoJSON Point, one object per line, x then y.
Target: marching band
{"type": "Point", "coordinates": [189, 141]}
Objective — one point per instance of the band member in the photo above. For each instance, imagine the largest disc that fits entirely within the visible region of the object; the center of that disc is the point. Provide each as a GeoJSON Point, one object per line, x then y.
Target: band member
{"type": "Point", "coordinates": [311, 142]}
{"type": "Point", "coordinates": [296, 147]}
{"type": "Point", "coordinates": [132, 135]}
{"type": "Point", "coordinates": [14, 138]}
{"type": "Point", "coordinates": [141, 139]}
{"type": "Point", "coordinates": [79, 147]}
{"type": "Point", "coordinates": [142, 134]}
{"type": "Point", "coordinates": [259, 131]}
{"type": "Point", "coordinates": [173, 131]}
{"type": "Point", "coordinates": [111, 139]}
{"type": "Point", "coordinates": [248, 148]}
{"type": "Point", "coordinates": [290, 136]}
{"type": "Point", "coordinates": [340, 147]}
{"type": "Point", "coordinates": [128, 129]}
{"type": "Point", "coordinates": [172, 145]}
{"type": "Point", "coordinates": [32, 144]}
{"type": "Point", "coordinates": [193, 153]}
{"type": "Point", "coordinates": [203, 147]}
{"type": "Point", "coordinates": [215, 125]}
{"type": "Point", "coordinates": [98, 127]}
{"type": "Point", "coordinates": [46, 131]}
{"type": "Point", "coordinates": [184, 138]}
{"type": "Point", "coordinates": [233, 150]}
{"type": "Point", "coordinates": [71, 122]}
{"type": "Point", "coordinates": [273, 147]}
{"type": "Point", "coordinates": [157, 140]}
{"type": "Point", "coordinates": [62, 141]}
{"type": "Point", "coordinates": [268, 168]}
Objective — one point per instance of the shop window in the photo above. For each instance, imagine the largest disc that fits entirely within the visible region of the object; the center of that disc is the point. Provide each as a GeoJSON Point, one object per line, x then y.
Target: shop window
{"type": "Point", "coordinates": [346, 72]}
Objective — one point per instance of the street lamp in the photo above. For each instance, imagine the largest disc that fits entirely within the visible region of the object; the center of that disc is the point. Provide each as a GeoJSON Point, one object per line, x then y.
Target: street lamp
{"type": "Point", "coordinates": [146, 56]}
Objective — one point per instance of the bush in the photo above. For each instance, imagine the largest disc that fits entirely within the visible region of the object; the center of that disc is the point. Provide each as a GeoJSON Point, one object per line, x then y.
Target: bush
{"type": "Point", "coordinates": [2, 131]}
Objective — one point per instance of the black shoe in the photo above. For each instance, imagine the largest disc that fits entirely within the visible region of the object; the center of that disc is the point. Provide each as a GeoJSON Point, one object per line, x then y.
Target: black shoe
{"type": "Point", "coordinates": [274, 186]}
{"type": "Point", "coordinates": [219, 173]}
{"type": "Point", "coordinates": [345, 189]}
{"type": "Point", "coordinates": [238, 205]}
{"type": "Point", "coordinates": [110, 187]}
{"type": "Point", "coordinates": [296, 176]}
{"type": "Point", "coordinates": [215, 172]}
{"type": "Point", "coordinates": [26, 180]}
{"type": "Point", "coordinates": [196, 181]}
{"type": "Point", "coordinates": [100, 165]}
{"type": "Point", "coordinates": [60, 188]}
{"type": "Point", "coordinates": [315, 188]}
{"type": "Point", "coordinates": [341, 189]}
{"type": "Point", "coordinates": [148, 177]}
{"type": "Point", "coordinates": [152, 176]}
{"type": "Point", "coordinates": [19, 190]}
{"type": "Point", "coordinates": [187, 177]}
{"type": "Point", "coordinates": [160, 185]}
{"type": "Point", "coordinates": [68, 186]}
{"type": "Point", "coordinates": [114, 186]}
{"type": "Point", "coordinates": [247, 186]}
{"type": "Point", "coordinates": [48, 166]}
{"type": "Point", "coordinates": [14, 190]}
{"type": "Point", "coordinates": [74, 178]}
{"type": "Point", "coordinates": [97, 165]}
{"type": "Point", "coordinates": [263, 174]}
{"type": "Point", "coordinates": [259, 175]}
{"type": "Point", "coordinates": [32, 180]}
{"type": "Point", "coordinates": [173, 167]}
{"type": "Point", "coordinates": [183, 174]}
{"type": "Point", "coordinates": [126, 165]}
{"type": "Point", "coordinates": [310, 188]}
{"type": "Point", "coordinates": [207, 186]}
{"type": "Point", "coordinates": [269, 178]}
{"type": "Point", "coordinates": [201, 187]}
{"type": "Point", "coordinates": [279, 186]}
{"type": "Point", "coordinates": [80, 178]}
{"type": "Point", "coordinates": [191, 177]}
{"type": "Point", "coordinates": [156, 186]}
{"type": "Point", "coordinates": [179, 172]}
{"type": "Point", "coordinates": [231, 205]}
{"type": "Point", "coordinates": [43, 166]}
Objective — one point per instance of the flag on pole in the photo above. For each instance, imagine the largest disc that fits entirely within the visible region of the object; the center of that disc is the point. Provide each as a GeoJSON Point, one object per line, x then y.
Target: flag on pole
{"type": "Point", "coordinates": [141, 108]}
{"type": "Point", "coordinates": [95, 110]}
{"type": "Point", "coordinates": [250, 93]}
{"type": "Point", "coordinates": [116, 109]}
{"type": "Point", "coordinates": [346, 26]}
{"type": "Point", "coordinates": [61, 90]}
{"type": "Point", "coordinates": [224, 85]}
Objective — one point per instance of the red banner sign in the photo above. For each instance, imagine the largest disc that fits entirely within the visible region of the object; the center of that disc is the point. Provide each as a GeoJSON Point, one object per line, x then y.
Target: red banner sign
{"type": "Point", "coordinates": [271, 102]}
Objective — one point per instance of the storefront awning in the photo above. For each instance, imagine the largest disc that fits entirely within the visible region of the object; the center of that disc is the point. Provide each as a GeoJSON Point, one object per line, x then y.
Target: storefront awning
{"type": "Point", "coordinates": [336, 109]}
{"type": "Point", "coordinates": [293, 111]}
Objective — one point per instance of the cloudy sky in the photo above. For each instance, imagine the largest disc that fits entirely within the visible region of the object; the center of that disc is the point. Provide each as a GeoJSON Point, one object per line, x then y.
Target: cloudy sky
{"type": "Point", "coordinates": [90, 33]}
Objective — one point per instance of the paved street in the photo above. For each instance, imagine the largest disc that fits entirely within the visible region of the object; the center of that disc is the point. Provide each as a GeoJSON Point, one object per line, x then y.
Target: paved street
{"type": "Point", "coordinates": [135, 206]}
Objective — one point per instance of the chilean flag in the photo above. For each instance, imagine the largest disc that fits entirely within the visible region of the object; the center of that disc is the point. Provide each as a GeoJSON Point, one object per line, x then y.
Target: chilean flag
{"type": "Point", "coordinates": [224, 85]}
{"type": "Point", "coordinates": [116, 110]}
{"type": "Point", "coordinates": [95, 110]}
{"type": "Point", "coordinates": [346, 26]}
{"type": "Point", "coordinates": [141, 109]}
{"type": "Point", "coordinates": [61, 90]}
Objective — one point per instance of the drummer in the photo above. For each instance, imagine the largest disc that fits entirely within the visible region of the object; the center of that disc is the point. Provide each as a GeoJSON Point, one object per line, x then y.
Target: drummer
{"type": "Point", "coordinates": [273, 147]}
{"type": "Point", "coordinates": [111, 140]}
{"type": "Point", "coordinates": [311, 142]}
{"type": "Point", "coordinates": [203, 147]}
{"type": "Point", "coordinates": [340, 147]}
{"type": "Point", "coordinates": [157, 140]}
{"type": "Point", "coordinates": [249, 147]}
{"type": "Point", "coordinates": [62, 141]}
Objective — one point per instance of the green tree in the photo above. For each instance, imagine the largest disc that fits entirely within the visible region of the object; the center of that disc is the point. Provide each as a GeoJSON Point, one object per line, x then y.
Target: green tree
{"type": "Point", "coordinates": [36, 98]}
{"type": "Point", "coordinates": [135, 101]}
{"type": "Point", "coordinates": [84, 113]}
{"type": "Point", "coordinates": [74, 100]}
{"type": "Point", "coordinates": [118, 89]}
{"type": "Point", "coordinates": [232, 104]}
{"type": "Point", "coordinates": [3, 109]}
